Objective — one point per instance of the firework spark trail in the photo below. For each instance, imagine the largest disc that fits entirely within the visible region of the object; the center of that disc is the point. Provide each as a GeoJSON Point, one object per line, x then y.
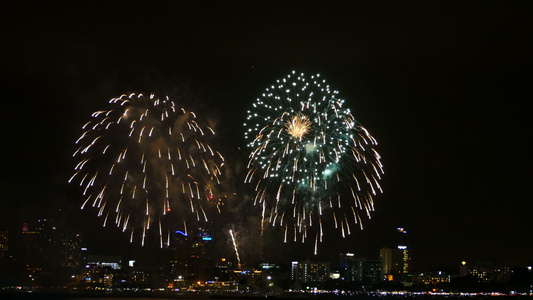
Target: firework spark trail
{"type": "Point", "coordinates": [145, 160]}
{"type": "Point", "coordinates": [310, 160]}
{"type": "Point", "coordinates": [235, 247]}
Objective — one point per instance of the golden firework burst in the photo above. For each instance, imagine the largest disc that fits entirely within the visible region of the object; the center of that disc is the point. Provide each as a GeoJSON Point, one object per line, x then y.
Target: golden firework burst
{"type": "Point", "coordinates": [298, 126]}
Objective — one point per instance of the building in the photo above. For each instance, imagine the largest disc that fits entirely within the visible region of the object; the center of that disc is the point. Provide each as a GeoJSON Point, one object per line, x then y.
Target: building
{"type": "Point", "coordinates": [104, 261]}
{"type": "Point", "coordinates": [432, 278]}
{"type": "Point", "coordinates": [307, 271]}
{"type": "Point", "coordinates": [404, 246]}
{"type": "Point", "coordinates": [396, 261]}
{"type": "Point", "coordinates": [363, 270]}
{"type": "Point", "coordinates": [248, 279]}
{"type": "Point", "coordinates": [102, 271]}
{"type": "Point", "coordinates": [367, 271]}
{"type": "Point", "coordinates": [32, 254]}
{"type": "Point", "coordinates": [73, 251]}
{"type": "Point", "coordinates": [345, 259]}
{"type": "Point", "coordinates": [45, 245]}
{"type": "Point", "coordinates": [225, 270]}
{"type": "Point", "coordinates": [271, 271]}
{"type": "Point", "coordinates": [4, 246]}
{"type": "Point", "coordinates": [201, 263]}
{"type": "Point", "coordinates": [177, 265]}
{"type": "Point", "coordinates": [487, 272]}
{"type": "Point", "coordinates": [392, 263]}
{"type": "Point", "coordinates": [190, 257]}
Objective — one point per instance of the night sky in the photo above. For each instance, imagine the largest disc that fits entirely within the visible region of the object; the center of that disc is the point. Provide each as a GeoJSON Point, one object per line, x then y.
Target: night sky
{"type": "Point", "coordinates": [442, 86]}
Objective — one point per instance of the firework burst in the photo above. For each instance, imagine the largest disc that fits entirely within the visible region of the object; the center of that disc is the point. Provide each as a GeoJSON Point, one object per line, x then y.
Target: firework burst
{"type": "Point", "coordinates": [146, 163]}
{"type": "Point", "coordinates": [310, 159]}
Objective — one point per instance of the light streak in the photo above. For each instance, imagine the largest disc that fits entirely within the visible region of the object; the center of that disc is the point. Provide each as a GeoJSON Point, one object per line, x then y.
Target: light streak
{"type": "Point", "coordinates": [236, 250]}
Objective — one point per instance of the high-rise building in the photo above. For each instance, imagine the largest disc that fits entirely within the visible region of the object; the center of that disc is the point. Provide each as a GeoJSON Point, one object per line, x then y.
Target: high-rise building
{"type": "Point", "coordinates": [345, 259]}
{"type": "Point", "coordinates": [487, 272]}
{"type": "Point", "coordinates": [392, 262]}
{"type": "Point", "coordinates": [45, 245]}
{"type": "Point", "coordinates": [201, 261]}
{"type": "Point", "coordinates": [396, 261]}
{"type": "Point", "coordinates": [32, 253]}
{"type": "Point", "coordinates": [405, 247]}
{"type": "Point", "coordinates": [4, 246]}
{"type": "Point", "coordinates": [73, 251]}
{"type": "Point", "coordinates": [179, 253]}
{"type": "Point", "coordinates": [190, 256]}
{"type": "Point", "coordinates": [358, 269]}
{"type": "Point", "coordinates": [365, 270]}
{"type": "Point", "coordinates": [307, 271]}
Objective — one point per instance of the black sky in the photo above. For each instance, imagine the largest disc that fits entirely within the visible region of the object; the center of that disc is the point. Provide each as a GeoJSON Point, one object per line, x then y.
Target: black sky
{"type": "Point", "coordinates": [443, 86]}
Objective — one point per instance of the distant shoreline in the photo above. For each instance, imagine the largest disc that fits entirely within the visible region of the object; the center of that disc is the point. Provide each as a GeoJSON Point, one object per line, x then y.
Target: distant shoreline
{"type": "Point", "coordinates": [228, 296]}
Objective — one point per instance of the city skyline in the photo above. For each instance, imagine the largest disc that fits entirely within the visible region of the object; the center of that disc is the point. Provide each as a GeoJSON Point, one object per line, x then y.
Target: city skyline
{"type": "Point", "coordinates": [442, 87]}
{"type": "Point", "coordinates": [58, 245]}
{"type": "Point", "coordinates": [46, 257]}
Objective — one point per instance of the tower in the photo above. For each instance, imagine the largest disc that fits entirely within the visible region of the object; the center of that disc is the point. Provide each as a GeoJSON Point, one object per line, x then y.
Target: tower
{"type": "Point", "coordinates": [179, 252]}
{"type": "Point", "coordinates": [404, 247]}
{"type": "Point", "coordinates": [191, 255]}
{"type": "Point", "coordinates": [202, 264]}
{"type": "Point", "coordinates": [396, 261]}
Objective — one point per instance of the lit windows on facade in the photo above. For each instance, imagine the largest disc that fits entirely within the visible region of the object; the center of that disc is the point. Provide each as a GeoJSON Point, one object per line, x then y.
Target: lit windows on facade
{"type": "Point", "coordinates": [486, 272]}
{"type": "Point", "coordinates": [364, 270]}
{"type": "Point", "coordinates": [432, 278]}
{"type": "Point", "coordinates": [104, 261]}
{"type": "Point", "coordinates": [395, 261]}
{"type": "Point", "coordinates": [307, 271]}
{"type": "Point", "coordinates": [4, 248]}
{"type": "Point", "coordinates": [491, 274]}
